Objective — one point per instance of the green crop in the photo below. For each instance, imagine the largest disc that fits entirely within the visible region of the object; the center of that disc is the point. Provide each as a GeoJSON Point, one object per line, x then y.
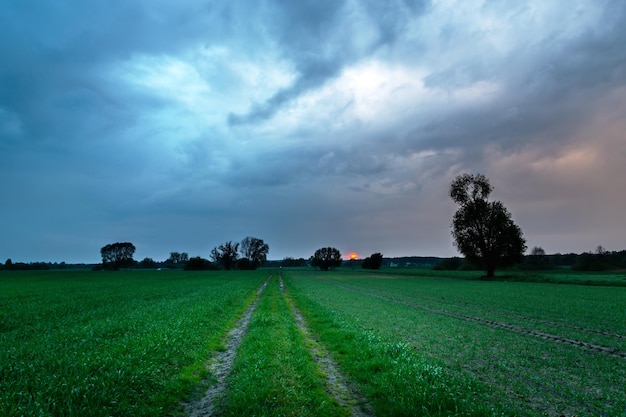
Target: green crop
{"type": "Point", "coordinates": [461, 326]}
{"type": "Point", "coordinates": [139, 343]}
{"type": "Point", "coordinates": [101, 344]}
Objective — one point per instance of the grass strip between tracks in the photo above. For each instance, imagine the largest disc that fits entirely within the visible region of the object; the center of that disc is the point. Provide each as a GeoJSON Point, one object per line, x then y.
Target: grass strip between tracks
{"type": "Point", "coordinates": [274, 373]}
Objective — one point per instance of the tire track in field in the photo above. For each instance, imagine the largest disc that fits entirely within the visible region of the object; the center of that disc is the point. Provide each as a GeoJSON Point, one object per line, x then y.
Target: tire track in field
{"type": "Point", "coordinates": [517, 329]}
{"type": "Point", "coordinates": [337, 384]}
{"type": "Point", "coordinates": [531, 319]}
{"type": "Point", "coordinates": [222, 363]}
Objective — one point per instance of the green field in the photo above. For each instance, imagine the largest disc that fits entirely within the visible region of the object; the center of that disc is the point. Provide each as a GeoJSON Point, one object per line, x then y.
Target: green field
{"type": "Point", "coordinates": [99, 344]}
{"type": "Point", "coordinates": [139, 343]}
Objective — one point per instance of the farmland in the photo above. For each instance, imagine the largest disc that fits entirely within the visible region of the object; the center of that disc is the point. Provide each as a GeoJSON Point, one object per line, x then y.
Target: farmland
{"type": "Point", "coordinates": [139, 343]}
{"type": "Point", "coordinates": [512, 338]}
{"type": "Point", "coordinates": [100, 344]}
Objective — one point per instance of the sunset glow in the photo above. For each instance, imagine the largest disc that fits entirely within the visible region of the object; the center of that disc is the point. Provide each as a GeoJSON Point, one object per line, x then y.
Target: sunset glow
{"type": "Point", "coordinates": [353, 256]}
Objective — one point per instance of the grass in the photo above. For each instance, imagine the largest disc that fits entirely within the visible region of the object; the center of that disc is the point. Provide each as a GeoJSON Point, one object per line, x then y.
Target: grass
{"type": "Point", "coordinates": [397, 380]}
{"type": "Point", "coordinates": [136, 343]}
{"type": "Point", "coordinates": [101, 344]}
{"type": "Point", "coordinates": [526, 374]}
{"type": "Point", "coordinates": [274, 374]}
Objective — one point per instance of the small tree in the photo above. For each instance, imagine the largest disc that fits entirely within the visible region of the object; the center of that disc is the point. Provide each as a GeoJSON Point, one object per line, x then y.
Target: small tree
{"type": "Point", "coordinates": [255, 250]}
{"type": "Point", "coordinates": [177, 259]}
{"type": "Point", "coordinates": [374, 261]}
{"type": "Point", "coordinates": [117, 255]}
{"type": "Point", "coordinates": [325, 258]}
{"type": "Point", "coordinates": [226, 255]}
{"type": "Point", "coordinates": [483, 231]}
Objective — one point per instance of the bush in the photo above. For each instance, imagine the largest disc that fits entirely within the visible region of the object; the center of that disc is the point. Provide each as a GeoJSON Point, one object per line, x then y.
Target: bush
{"type": "Point", "coordinates": [374, 261]}
{"type": "Point", "coordinates": [590, 262]}
{"type": "Point", "coordinates": [199, 264]}
{"type": "Point", "coordinates": [244, 264]}
{"type": "Point", "coordinates": [449, 264]}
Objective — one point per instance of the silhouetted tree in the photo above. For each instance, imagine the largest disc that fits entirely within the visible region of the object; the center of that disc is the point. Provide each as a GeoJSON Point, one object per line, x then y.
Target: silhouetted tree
{"type": "Point", "coordinates": [117, 255]}
{"type": "Point", "coordinates": [325, 258]}
{"type": "Point", "coordinates": [177, 259]}
{"type": "Point", "coordinates": [255, 250]}
{"type": "Point", "coordinates": [374, 261]}
{"type": "Point", "coordinates": [226, 255]}
{"type": "Point", "coordinates": [147, 263]}
{"type": "Point", "coordinates": [483, 231]}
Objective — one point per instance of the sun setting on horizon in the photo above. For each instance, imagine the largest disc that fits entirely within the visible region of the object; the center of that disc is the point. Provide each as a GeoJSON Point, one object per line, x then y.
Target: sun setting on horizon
{"type": "Point", "coordinates": [353, 256]}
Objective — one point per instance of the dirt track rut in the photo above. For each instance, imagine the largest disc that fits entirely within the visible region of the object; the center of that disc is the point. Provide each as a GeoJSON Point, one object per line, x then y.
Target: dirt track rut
{"type": "Point", "coordinates": [222, 364]}
{"type": "Point", "coordinates": [338, 385]}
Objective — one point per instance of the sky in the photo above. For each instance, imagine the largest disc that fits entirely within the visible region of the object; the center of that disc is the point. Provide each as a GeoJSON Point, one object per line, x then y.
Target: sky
{"type": "Point", "coordinates": [178, 126]}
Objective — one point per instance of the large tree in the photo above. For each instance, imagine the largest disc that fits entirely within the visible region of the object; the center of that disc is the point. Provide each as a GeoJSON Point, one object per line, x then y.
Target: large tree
{"type": "Point", "coordinates": [226, 255]}
{"type": "Point", "coordinates": [117, 255]}
{"type": "Point", "coordinates": [255, 250]}
{"type": "Point", "coordinates": [483, 230]}
{"type": "Point", "coordinates": [325, 258]}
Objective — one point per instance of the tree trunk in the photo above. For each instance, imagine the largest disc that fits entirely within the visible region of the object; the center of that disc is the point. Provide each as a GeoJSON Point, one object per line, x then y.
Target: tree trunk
{"type": "Point", "coordinates": [490, 271]}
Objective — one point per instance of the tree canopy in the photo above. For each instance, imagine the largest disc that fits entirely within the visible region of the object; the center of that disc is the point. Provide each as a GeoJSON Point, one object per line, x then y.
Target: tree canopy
{"type": "Point", "coordinates": [117, 255]}
{"type": "Point", "coordinates": [177, 260]}
{"type": "Point", "coordinates": [483, 230]}
{"type": "Point", "coordinates": [255, 250]}
{"type": "Point", "coordinates": [226, 255]}
{"type": "Point", "coordinates": [325, 258]}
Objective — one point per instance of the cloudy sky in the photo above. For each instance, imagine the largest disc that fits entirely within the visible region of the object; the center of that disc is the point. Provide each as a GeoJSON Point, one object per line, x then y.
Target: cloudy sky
{"type": "Point", "coordinates": [181, 125]}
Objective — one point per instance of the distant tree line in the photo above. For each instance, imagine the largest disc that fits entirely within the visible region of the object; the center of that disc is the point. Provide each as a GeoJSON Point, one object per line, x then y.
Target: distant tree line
{"type": "Point", "coordinates": [248, 254]}
{"type": "Point", "coordinates": [289, 262]}
{"type": "Point", "coordinates": [603, 260]}
{"type": "Point", "coordinates": [539, 260]}
{"type": "Point", "coordinates": [9, 265]}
